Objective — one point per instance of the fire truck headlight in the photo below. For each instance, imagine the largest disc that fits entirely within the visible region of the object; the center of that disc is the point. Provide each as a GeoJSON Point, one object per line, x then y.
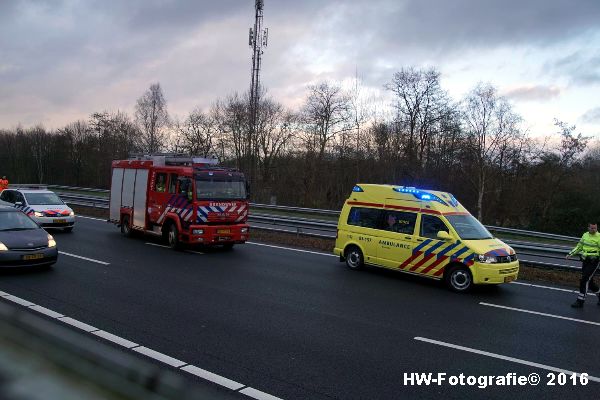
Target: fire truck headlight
{"type": "Point", "coordinates": [244, 230]}
{"type": "Point", "coordinates": [197, 231]}
{"type": "Point", "coordinates": [38, 214]}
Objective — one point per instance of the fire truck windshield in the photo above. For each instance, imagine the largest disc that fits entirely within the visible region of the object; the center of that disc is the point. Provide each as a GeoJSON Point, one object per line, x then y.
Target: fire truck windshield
{"type": "Point", "coordinates": [220, 188]}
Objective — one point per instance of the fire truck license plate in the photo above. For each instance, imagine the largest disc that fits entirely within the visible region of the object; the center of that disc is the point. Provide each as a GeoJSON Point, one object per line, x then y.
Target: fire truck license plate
{"type": "Point", "coordinates": [33, 257]}
{"type": "Point", "coordinates": [222, 231]}
{"type": "Point", "coordinates": [60, 221]}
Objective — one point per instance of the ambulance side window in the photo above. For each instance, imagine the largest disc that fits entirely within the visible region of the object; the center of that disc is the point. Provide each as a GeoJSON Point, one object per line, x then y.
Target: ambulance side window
{"type": "Point", "coordinates": [173, 183]}
{"type": "Point", "coordinates": [365, 217]}
{"type": "Point", "coordinates": [161, 182]}
{"type": "Point", "coordinates": [431, 225]}
{"type": "Point", "coordinates": [399, 221]}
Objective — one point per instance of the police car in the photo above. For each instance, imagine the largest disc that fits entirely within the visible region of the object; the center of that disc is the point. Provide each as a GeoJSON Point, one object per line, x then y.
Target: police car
{"type": "Point", "coordinates": [42, 205]}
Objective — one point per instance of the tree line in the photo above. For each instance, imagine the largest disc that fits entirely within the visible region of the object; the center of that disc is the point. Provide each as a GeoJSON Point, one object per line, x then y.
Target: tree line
{"type": "Point", "coordinates": [475, 147]}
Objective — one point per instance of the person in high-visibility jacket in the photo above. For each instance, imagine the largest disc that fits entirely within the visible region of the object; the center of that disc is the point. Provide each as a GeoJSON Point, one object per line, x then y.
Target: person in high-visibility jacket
{"type": "Point", "coordinates": [588, 249]}
{"type": "Point", "coordinates": [3, 183]}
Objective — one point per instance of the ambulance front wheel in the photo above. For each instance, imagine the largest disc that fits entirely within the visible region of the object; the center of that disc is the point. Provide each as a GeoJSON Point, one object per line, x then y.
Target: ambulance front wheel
{"type": "Point", "coordinates": [459, 279]}
{"type": "Point", "coordinates": [354, 258]}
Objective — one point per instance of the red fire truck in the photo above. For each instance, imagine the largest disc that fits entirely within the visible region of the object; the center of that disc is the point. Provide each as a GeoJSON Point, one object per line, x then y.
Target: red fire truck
{"type": "Point", "coordinates": [184, 199]}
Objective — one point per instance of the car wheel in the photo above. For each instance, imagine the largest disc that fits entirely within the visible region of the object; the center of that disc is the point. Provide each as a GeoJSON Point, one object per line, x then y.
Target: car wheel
{"type": "Point", "coordinates": [459, 279]}
{"type": "Point", "coordinates": [173, 236]}
{"type": "Point", "coordinates": [354, 258]}
{"type": "Point", "coordinates": [125, 226]}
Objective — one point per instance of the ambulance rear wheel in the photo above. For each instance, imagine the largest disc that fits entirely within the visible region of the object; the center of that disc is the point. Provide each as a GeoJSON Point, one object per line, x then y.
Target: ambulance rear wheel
{"type": "Point", "coordinates": [173, 236]}
{"type": "Point", "coordinates": [459, 279]}
{"type": "Point", "coordinates": [125, 226]}
{"type": "Point", "coordinates": [354, 258]}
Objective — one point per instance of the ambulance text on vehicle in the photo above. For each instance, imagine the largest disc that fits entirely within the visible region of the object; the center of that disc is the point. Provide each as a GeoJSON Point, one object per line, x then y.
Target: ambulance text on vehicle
{"type": "Point", "coordinates": [421, 232]}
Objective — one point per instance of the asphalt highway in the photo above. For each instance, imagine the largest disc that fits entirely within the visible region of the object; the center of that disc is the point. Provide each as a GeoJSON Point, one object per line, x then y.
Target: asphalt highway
{"type": "Point", "coordinates": [300, 325]}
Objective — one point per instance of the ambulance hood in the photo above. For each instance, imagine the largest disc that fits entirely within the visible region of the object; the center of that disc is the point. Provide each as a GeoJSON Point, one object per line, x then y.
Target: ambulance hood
{"type": "Point", "coordinates": [489, 247]}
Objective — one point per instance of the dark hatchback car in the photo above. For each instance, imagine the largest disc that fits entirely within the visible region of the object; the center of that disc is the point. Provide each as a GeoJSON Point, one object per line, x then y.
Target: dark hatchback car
{"type": "Point", "coordinates": [23, 243]}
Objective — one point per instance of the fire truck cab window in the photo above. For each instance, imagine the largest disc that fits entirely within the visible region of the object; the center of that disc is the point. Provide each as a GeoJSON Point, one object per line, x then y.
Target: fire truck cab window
{"type": "Point", "coordinates": [161, 182]}
{"type": "Point", "coordinates": [173, 184]}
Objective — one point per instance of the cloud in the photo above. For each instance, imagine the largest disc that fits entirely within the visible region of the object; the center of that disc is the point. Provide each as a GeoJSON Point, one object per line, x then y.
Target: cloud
{"type": "Point", "coordinates": [591, 116]}
{"type": "Point", "coordinates": [532, 93]}
{"type": "Point", "coordinates": [581, 67]}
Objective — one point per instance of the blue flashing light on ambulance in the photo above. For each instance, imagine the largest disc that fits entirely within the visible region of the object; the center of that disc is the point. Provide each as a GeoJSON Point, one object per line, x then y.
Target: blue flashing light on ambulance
{"type": "Point", "coordinates": [422, 232]}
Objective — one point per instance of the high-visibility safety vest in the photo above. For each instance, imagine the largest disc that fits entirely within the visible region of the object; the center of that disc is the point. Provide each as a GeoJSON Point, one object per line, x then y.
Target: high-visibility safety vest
{"type": "Point", "coordinates": [3, 184]}
{"type": "Point", "coordinates": [589, 245]}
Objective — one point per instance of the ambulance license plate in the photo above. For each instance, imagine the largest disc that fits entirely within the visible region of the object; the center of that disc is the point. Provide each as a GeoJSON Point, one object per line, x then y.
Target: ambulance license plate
{"type": "Point", "coordinates": [33, 257]}
{"type": "Point", "coordinates": [60, 221]}
{"type": "Point", "coordinates": [223, 231]}
{"type": "Point", "coordinates": [509, 279]}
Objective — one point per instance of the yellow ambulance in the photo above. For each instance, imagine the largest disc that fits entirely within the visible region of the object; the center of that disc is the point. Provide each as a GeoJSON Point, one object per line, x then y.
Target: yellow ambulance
{"type": "Point", "coordinates": [422, 232]}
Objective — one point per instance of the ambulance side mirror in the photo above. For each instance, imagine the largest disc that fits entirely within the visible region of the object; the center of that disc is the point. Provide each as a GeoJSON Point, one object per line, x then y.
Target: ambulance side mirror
{"type": "Point", "coordinates": [443, 235]}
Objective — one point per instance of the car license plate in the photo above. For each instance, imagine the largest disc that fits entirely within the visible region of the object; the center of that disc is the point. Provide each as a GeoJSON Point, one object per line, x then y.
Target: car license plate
{"type": "Point", "coordinates": [60, 221]}
{"type": "Point", "coordinates": [222, 231]}
{"type": "Point", "coordinates": [509, 279]}
{"type": "Point", "coordinates": [33, 257]}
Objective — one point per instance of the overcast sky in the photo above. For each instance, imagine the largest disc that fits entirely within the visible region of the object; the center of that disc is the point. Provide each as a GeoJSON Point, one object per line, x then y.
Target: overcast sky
{"type": "Point", "coordinates": [63, 60]}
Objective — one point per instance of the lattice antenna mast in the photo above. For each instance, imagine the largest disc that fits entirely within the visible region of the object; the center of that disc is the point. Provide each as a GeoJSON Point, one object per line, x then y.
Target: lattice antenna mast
{"type": "Point", "coordinates": [257, 39]}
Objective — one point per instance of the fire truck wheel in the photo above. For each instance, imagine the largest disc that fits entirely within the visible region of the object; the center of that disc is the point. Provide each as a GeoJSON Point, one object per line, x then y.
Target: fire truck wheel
{"type": "Point", "coordinates": [125, 226]}
{"type": "Point", "coordinates": [354, 258]}
{"type": "Point", "coordinates": [228, 246]}
{"type": "Point", "coordinates": [173, 236]}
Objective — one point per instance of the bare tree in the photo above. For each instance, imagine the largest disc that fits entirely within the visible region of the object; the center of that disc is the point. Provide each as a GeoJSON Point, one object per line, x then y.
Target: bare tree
{"type": "Point", "coordinates": [326, 113]}
{"type": "Point", "coordinates": [152, 116]}
{"type": "Point", "coordinates": [196, 135]}
{"type": "Point", "coordinates": [491, 126]}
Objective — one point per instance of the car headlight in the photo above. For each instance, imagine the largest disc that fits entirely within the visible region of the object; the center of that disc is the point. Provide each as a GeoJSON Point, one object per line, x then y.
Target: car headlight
{"type": "Point", "coordinates": [3, 247]}
{"type": "Point", "coordinates": [72, 214]}
{"type": "Point", "coordinates": [197, 231]}
{"type": "Point", "coordinates": [38, 214]}
{"type": "Point", "coordinates": [487, 259]}
{"type": "Point", "coordinates": [244, 230]}
{"type": "Point", "coordinates": [51, 241]}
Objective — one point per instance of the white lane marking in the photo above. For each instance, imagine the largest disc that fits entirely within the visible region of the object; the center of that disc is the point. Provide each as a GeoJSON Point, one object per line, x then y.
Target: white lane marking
{"type": "Point", "coordinates": [96, 219]}
{"type": "Point", "coordinates": [160, 357]}
{"type": "Point", "coordinates": [202, 373]}
{"type": "Point", "coordinates": [115, 339]}
{"type": "Point", "coordinates": [209, 376]}
{"type": "Point", "coordinates": [18, 300]}
{"type": "Point", "coordinates": [502, 357]}
{"type": "Point", "coordinates": [77, 324]}
{"type": "Point", "coordinates": [84, 258]}
{"type": "Point", "coordinates": [545, 287]}
{"type": "Point", "coordinates": [257, 394]}
{"type": "Point", "coordinates": [194, 252]}
{"type": "Point", "coordinates": [583, 321]}
{"type": "Point", "coordinates": [45, 311]}
{"type": "Point", "coordinates": [157, 245]}
{"type": "Point", "coordinates": [291, 249]}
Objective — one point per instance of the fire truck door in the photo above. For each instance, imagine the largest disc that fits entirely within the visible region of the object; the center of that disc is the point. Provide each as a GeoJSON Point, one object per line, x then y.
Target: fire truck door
{"type": "Point", "coordinates": [159, 196]}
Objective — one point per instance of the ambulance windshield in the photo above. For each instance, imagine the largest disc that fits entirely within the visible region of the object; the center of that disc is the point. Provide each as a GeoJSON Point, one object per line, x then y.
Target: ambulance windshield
{"type": "Point", "coordinates": [468, 227]}
{"type": "Point", "coordinates": [220, 188]}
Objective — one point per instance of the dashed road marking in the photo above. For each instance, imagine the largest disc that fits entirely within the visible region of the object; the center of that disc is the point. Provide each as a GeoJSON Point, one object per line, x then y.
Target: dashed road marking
{"type": "Point", "coordinates": [292, 249]}
{"type": "Point", "coordinates": [84, 258]}
{"type": "Point", "coordinates": [583, 321]}
{"type": "Point", "coordinates": [209, 376]}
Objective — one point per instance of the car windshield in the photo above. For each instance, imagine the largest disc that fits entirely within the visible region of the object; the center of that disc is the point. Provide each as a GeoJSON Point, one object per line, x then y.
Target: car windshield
{"type": "Point", "coordinates": [16, 221]}
{"type": "Point", "coordinates": [50, 199]}
{"type": "Point", "coordinates": [220, 188]}
{"type": "Point", "coordinates": [468, 227]}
